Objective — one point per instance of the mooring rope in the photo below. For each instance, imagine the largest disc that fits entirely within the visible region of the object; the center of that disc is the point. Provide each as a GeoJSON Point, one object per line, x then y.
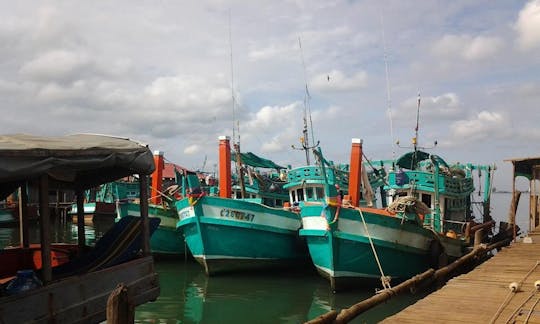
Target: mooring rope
{"type": "Point", "coordinates": [531, 310]}
{"type": "Point", "coordinates": [531, 295]}
{"type": "Point", "coordinates": [514, 288]}
{"type": "Point", "coordinates": [384, 280]}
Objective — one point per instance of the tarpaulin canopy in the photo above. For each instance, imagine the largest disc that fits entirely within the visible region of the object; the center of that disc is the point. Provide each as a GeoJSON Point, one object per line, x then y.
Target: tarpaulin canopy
{"type": "Point", "coordinates": [410, 159]}
{"type": "Point", "coordinates": [256, 161]}
{"type": "Point", "coordinates": [72, 162]}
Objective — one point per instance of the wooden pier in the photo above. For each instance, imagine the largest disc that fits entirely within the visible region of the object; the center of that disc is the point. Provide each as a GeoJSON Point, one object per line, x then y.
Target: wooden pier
{"type": "Point", "coordinates": [504, 289]}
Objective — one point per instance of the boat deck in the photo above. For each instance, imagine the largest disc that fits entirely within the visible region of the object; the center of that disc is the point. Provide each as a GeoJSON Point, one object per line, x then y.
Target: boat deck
{"type": "Point", "coordinates": [484, 295]}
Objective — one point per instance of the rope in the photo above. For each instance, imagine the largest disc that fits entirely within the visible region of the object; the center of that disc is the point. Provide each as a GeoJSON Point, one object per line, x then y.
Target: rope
{"type": "Point", "coordinates": [408, 203]}
{"type": "Point", "coordinates": [384, 279]}
{"type": "Point", "coordinates": [514, 287]}
{"type": "Point", "coordinates": [531, 295]}
{"type": "Point", "coordinates": [504, 303]}
{"type": "Point", "coordinates": [531, 310]}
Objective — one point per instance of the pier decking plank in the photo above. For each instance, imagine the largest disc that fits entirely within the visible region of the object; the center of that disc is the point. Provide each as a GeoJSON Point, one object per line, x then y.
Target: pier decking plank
{"type": "Point", "coordinates": [477, 297]}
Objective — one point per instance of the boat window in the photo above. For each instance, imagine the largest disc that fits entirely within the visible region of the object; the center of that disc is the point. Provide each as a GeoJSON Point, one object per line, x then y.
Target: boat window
{"type": "Point", "coordinates": [300, 194]}
{"type": "Point", "coordinates": [319, 193]}
{"type": "Point", "coordinates": [426, 199]}
{"type": "Point", "coordinates": [293, 196]}
{"type": "Point", "coordinates": [309, 193]}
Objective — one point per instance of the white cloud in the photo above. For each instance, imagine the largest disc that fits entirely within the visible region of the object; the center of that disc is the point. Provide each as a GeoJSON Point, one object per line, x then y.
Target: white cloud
{"type": "Point", "coordinates": [482, 126]}
{"type": "Point", "coordinates": [443, 108]}
{"type": "Point", "coordinates": [188, 92]}
{"type": "Point", "coordinates": [336, 80]}
{"type": "Point", "coordinates": [467, 47]}
{"type": "Point", "coordinates": [528, 26]}
{"type": "Point", "coordinates": [56, 65]}
{"type": "Point", "coordinates": [192, 149]}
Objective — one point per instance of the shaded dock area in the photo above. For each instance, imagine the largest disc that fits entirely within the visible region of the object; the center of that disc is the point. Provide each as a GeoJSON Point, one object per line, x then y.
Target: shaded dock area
{"type": "Point", "coordinates": [504, 289]}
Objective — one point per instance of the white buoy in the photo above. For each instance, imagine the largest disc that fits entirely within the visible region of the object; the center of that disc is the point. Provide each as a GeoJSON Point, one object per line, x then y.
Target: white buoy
{"type": "Point", "coordinates": [514, 286]}
{"type": "Point", "coordinates": [537, 284]}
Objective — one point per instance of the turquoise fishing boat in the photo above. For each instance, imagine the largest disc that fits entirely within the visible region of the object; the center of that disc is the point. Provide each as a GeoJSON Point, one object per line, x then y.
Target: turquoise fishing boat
{"type": "Point", "coordinates": [166, 241]}
{"type": "Point", "coordinates": [227, 234]}
{"type": "Point", "coordinates": [428, 220]}
{"type": "Point", "coordinates": [108, 199]}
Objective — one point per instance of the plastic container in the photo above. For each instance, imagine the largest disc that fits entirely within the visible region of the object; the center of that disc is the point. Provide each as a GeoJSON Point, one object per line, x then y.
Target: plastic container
{"type": "Point", "coordinates": [24, 281]}
{"type": "Point", "coordinates": [401, 178]}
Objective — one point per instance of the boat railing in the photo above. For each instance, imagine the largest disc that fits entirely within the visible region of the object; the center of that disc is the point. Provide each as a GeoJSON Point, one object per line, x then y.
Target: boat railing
{"type": "Point", "coordinates": [425, 180]}
{"type": "Point", "coordinates": [308, 172]}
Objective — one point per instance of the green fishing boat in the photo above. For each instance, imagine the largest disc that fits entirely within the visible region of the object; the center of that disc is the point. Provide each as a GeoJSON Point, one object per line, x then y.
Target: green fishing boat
{"type": "Point", "coordinates": [251, 231]}
{"type": "Point", "coordinates": [108, 199]}
{"type": "Point", "coordinates": [428, 220]}
{"type": "Point", "coordinates": [166, 240]}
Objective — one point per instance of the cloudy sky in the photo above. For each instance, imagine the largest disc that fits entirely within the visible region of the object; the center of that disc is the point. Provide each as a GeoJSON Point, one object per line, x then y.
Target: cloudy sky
{"type": "Point", "coordinates": [165, 73]}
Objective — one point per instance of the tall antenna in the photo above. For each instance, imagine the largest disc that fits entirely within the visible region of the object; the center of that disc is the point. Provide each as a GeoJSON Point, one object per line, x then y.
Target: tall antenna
{"type": "Point", "coordinates": [232, 82]}
{"type": "Point", "coordinates": [388, 96]}
{"type": "Point", "coordinates": [307, 112]}
{"type": "Point", "coordinates": [415, 139]}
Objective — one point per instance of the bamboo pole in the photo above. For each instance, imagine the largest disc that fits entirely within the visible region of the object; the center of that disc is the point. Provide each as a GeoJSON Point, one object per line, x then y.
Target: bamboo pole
{"type": "Point", "coordinates": [145, 227]}
{"type": "Point", "coordinates": [325, 318]}
{"type": "Point", "coordinates": [45, 228]}
{"type": "Point", "coordinates": [423, 279]}
{"type": "Point", "coordinates": [350, 313]}
{"type": "Point", "coordinates": [81, 235]}
{"type": "Point", "coordinates": [23, 217]}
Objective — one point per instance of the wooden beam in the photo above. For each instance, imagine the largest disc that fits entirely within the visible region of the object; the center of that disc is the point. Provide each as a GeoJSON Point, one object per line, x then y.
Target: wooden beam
{"type": "Point", "coordinates": [23, 217]}
{"type": "Point", "coordinates": [143, 189]}
{"type": "Point", "coordinates": [81, 235]}
{"type": "Point", "coordinates": [45, 230]}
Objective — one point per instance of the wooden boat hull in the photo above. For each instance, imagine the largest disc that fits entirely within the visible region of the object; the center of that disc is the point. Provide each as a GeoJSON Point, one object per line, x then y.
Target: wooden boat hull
{"type": "Point", "coordinates": [226, 235]}
{"type": "Point", "coordinates": [82, 298]}
{"type": "Point", "coordinates": [342, 252]}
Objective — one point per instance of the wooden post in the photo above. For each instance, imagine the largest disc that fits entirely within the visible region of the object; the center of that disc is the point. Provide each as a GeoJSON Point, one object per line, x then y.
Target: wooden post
{"type": "Point", "coordinates": [45, 230]}
{"type": "Point", "coordinates": [157, 178]}
{"type": "Point", "coordinates": [512, 216]}
{"type": "Point", "coordinates": [478, 236]}
{"type": "Point", "coordinates": [119, 308]}
{"type": "Point", "coordinates": [23, 217]}
{"type": "Point", "coordinates": [225, 189]}
{"type": "Point", "coordinates": [143, 188]}
{"type": "Point", "coordinates": [81, 235]}
{"type": "Point", "coordinates": [355, 172]}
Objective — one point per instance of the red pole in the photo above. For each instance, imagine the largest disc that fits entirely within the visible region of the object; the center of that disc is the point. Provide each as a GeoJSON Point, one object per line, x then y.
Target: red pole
{"type": "Point", "coordinates": [225, 189]}
{"type": "Point", "coordinates": [355, 172]}
{"type": "Point", "coordinates": [157, 178]}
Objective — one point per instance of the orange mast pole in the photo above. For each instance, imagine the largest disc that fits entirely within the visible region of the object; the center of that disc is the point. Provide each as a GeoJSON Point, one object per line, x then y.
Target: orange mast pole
{"type": "Point", "coordinates": [355, 172]}
{"type": "Point", "coordinates": [225, 182]}
{"type": "Point", "coordinates": [157, 178]}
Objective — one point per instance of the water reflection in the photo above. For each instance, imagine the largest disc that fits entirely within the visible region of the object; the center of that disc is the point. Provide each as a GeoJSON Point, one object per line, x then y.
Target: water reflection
{"type": "Point", "coordinates": [189, 296]}
{"type": "Point", "coordinates": [61, 231]}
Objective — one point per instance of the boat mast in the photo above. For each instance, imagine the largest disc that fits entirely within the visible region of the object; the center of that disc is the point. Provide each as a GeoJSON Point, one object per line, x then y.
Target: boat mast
{"type": "Point", "coordinates": [415, 139]}
{"type": "Point", "coordinates": [388, 92]}
{"type": "Point", "coordinates": [236, 124]}
{"type": "Point", "coordinates": [304, 140]}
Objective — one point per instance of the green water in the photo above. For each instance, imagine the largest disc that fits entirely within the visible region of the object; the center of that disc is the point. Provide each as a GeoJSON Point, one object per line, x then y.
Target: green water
{"type": "Point", "coordinates": [189, 296]}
